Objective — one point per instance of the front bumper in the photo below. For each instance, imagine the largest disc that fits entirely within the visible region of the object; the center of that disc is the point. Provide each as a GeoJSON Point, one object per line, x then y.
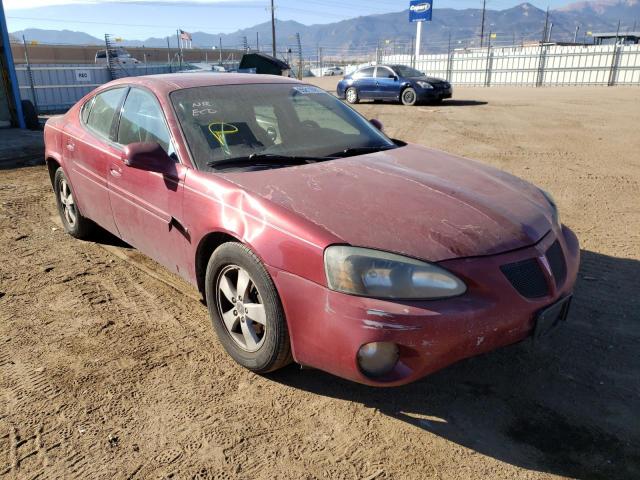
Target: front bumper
{"type": "Point", "coordinates": [327, 328]}
{"type": "Point", "coordinates": [437, 93]}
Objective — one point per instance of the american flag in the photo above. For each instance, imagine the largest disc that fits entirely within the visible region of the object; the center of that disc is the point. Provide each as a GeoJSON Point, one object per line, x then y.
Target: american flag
{"type": "Point", "coordinates": [185, 36]}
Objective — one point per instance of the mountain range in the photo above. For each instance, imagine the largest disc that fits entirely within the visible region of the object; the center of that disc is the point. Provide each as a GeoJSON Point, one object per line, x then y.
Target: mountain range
{"type": "Point", "coordinates": [363, 33]}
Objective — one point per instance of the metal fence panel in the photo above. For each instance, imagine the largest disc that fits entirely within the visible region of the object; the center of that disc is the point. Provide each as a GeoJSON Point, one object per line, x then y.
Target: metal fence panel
{"type": "Point", "coordinates": [548, 65]}
{"type": "Point", "coordinates": [56, 87]}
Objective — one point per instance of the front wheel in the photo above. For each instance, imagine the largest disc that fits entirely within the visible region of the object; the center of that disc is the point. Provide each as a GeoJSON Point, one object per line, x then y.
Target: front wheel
{"type": "Point", "coordinates": [352, 95]}
{"type": "Point", "coordinates": [245, 309]}
{"type": "Point", "coordinates": [72, 220]}
{"type": "Point", "coordinates": [409, 96]}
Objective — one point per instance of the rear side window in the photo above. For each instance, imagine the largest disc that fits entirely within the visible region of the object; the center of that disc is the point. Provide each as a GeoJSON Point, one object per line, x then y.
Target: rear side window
{"type": "Point", "coordinates": [104, 108]}
{"type": "Point", "coordinates": [86, 110]}
{"type": "Point", "coordinates": [142, 120]}
{"type": "Point", "coordinates": [365, 73]}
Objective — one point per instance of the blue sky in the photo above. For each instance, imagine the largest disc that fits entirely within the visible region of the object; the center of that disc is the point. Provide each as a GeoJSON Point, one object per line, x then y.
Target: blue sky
{"type": "Point", "coordinates": [140, 19]}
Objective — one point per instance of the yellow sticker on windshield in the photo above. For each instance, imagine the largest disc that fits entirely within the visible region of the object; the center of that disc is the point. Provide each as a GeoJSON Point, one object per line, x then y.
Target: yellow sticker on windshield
{"type": "Point", "coordinates": [220, 130]}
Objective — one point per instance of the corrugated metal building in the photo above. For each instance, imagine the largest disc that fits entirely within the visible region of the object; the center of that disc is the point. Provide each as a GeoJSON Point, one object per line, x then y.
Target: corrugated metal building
{"type": "Point", "coordinates": [10, 106]}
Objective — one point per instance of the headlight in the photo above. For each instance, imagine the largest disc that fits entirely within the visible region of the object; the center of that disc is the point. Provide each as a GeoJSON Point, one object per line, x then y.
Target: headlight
{"type": "Point", "coordinates": [554, 207]}
{"type": "Point", "coordinates": [426, 85]}
{"type": "Point", "coordinates": [372, 273]}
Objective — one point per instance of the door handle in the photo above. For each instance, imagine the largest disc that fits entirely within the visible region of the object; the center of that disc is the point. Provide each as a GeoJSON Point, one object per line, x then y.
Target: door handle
{"type": "Point", "coordinates": [115, 171]}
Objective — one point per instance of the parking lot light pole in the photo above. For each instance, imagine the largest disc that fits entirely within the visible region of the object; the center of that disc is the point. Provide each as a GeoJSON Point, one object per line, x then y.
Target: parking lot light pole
{"type": "Point", "coordinates": [418, 39]}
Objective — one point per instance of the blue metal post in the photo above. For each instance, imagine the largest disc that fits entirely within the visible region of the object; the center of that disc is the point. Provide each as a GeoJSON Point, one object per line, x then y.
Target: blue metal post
{"type": "Point", "coordinates": [10, 67]}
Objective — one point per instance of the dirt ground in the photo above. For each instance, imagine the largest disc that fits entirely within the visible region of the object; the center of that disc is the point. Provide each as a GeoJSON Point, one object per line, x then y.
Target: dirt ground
{"type": "Point", "coordinates": [108, 371]}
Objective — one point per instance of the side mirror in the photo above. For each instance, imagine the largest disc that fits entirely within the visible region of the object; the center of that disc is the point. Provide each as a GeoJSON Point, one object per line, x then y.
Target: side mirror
{"type": "Point", "coordinates": [395, 77]}
{"type": "Point", "coordinates": [376, 123]}
{"type": "Point", "coordinates": [149, 156]}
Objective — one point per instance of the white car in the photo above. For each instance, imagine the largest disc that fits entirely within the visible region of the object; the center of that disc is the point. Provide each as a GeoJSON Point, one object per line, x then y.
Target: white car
{"type": "Point", "coordinates": [332, 71]}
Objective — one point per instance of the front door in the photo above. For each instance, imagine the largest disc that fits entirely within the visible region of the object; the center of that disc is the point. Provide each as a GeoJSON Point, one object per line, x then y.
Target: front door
{"type": "Point", "coordinates": [147, 206]}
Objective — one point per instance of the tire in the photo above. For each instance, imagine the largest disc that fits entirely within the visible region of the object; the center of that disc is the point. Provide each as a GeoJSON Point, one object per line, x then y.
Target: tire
{"type": "Point", "coordinates": [72, 220]}
{"type": "Point", "coordinates": [408, 96]}
{"type": "Point", "coordinates": [30, 115]}
{"type": "Point", "coordinates": [352, 95]}
{"type": "Point", "coordinates": [261, 348]}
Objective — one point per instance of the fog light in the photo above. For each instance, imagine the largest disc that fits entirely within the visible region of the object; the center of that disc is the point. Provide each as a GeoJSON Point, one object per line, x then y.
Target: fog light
{"type": "Point", "coordinates": [377, 358]}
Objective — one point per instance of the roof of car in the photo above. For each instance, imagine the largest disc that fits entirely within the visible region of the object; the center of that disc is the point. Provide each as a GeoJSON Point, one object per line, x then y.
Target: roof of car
{"type": "Point", "coordinates": [169, 82]}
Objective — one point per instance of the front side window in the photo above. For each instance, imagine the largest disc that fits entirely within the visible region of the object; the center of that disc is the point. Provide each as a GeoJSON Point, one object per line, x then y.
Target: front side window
{"type": "Point", "coordinates": [104, 108]}
{"type": "Point", "coordinates": [383, 72]}
{"type": "Point", "coordinates": [237, 121]}
{"type": "Point", "coordinates": [142, 120]}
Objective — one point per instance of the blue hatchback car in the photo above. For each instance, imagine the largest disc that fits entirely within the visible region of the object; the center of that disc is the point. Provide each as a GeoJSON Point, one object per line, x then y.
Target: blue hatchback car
{"type": "Point", "coordinates": [393, 82]}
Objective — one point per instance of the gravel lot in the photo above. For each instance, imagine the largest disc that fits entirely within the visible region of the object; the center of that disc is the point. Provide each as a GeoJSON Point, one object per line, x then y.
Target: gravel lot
{"type": "Point", "coordinates": [109, 367]}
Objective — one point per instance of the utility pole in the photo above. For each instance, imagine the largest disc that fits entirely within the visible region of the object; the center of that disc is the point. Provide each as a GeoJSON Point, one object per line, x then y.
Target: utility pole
{"type": "Point", "coordinates": [220, 50]}
{"type": "Point", "coordinates": [273, 30]}
{"type": "Point", "coordinates": [546, 26]}
{"type": "Point", "coordinates": [257, 41]}
{"type": "Point", "coordinates": [549, 34]}
{"type": "Point", "coordinates": [484, 9]}
{"type": "Point", "coordinates": [168, 54]}
{"type": "Point", "coordinates": [180, 46]}
{"type": "Point", "coordinates": [575, 35]}
{"type": "Point", "coordinates": [300, 66]}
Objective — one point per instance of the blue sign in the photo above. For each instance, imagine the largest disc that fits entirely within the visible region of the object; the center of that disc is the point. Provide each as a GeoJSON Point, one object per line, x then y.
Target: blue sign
{"type": "Point", "coordinates": [420, 10]}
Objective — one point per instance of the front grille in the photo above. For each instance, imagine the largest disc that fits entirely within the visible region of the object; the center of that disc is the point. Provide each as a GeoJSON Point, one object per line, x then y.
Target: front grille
{"type": "Point", "coordinates": [527, 278]}
{"type": "Point", "coordinates": [557, 263]}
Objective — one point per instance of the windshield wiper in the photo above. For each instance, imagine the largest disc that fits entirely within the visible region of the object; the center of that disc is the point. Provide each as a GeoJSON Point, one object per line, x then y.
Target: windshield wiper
{"type": "Point", "coordinates": [347, 152]}
{"type": "Point", "coordinates": [266, 159]}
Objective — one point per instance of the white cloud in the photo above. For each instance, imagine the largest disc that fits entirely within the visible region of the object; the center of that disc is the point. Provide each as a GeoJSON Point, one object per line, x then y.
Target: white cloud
{"type": "Point", "coordinates": [20, 4]}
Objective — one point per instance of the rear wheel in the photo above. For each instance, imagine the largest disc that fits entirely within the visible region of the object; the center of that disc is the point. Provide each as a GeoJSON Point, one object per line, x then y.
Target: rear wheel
{"type": "Point", "coordinates": [245, 309]}
{"type": "Point", "coordinates": [352, 95]}
{"type": "Point", "coordinates": [72, 220]}
{"type": "Point", "coordinates": [409, 96]}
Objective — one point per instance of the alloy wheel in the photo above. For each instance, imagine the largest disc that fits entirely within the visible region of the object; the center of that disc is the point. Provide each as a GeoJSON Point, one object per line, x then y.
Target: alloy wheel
{"type": "Point", "coordinates": [409, 96]}
{"type": "Point", "coordinates": [68, 204]}
{"type": "Point", "coordinates": [351, 95]}
{"type": "Point", "coordinates": [240, 307]}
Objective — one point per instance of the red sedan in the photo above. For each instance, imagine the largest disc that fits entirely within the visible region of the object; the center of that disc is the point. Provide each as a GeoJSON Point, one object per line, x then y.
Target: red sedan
{"type": "Point", "coordinates": [313, 236]}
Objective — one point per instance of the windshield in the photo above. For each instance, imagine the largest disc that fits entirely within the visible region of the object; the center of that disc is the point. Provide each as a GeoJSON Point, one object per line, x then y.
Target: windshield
{"type": "Point", "coordinates": [269, 120]}
{"type": "Point", "coordinates": [408, 72]}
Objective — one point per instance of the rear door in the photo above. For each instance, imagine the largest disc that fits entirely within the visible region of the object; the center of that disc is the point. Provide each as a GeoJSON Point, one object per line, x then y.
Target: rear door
{"type": "Point", "coordinates": [365, 82]}
{"type": "Point", "coordinates": [88, 150]}
{"type": "Point", "coordinates": [147, 206]}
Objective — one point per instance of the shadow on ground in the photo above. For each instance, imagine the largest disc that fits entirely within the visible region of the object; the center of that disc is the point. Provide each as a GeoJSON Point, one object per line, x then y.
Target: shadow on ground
{"type": "Point", "coordinates": [103, 237]}
{"type": "Point", "coordinates": [462, 103]}
{"type": "Point", "coordinates": [569, 406]}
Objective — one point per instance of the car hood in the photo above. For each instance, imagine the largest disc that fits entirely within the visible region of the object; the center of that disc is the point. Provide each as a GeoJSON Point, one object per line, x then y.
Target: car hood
{"type": "Point", "coordinates": [411, 200]}
{"type": "Point", "coordinates": [429, 79]}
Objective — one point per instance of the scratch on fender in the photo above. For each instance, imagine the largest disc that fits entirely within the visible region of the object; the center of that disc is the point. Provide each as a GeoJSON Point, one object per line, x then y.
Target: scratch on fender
{"type": "Point", "coordinates": [373, 325]}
